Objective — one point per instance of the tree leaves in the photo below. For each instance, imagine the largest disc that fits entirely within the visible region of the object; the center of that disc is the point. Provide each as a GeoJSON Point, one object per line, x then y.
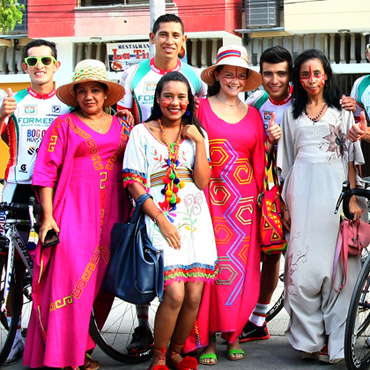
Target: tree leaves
{"type": "Point", "coordinates": [11, 14]}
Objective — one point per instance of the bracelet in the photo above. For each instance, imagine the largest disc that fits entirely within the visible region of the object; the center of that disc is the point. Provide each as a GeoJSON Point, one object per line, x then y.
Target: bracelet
{"type": "Point", "coordinates": [154, 219]}
{"type": "Point", "coordinates": [271, 142]}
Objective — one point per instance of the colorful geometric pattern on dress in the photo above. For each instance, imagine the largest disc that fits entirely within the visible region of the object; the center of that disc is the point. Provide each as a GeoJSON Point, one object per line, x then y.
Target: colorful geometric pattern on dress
{"type": "Point", "coordinates": [130, 176]}
{"type": "Point", "coordinates": [232, 228]}
{"type": "Point", "coordinates": [196, 271]}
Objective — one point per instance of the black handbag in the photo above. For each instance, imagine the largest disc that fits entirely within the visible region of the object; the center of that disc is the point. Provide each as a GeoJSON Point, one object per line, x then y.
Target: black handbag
{"type": "Point", "coordinates": [136, 269]}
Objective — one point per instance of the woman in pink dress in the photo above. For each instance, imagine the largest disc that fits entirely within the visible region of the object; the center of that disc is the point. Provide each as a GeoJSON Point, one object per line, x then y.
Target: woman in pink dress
{"type": "Point", "coordinates": [236, 137]}
{"type": "Point", "coordinates": [78, 179]}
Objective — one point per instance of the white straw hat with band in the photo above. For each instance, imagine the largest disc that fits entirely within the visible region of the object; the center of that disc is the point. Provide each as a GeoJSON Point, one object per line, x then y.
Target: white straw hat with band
{"type": "Point", "coordinates": [90, 70]}
{"type": "Point", "coordinates": [233, 55]}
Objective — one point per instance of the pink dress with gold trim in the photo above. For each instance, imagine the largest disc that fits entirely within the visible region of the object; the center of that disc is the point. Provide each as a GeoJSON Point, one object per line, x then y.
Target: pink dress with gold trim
{"type": "Point", "coordinates": [84, 168]}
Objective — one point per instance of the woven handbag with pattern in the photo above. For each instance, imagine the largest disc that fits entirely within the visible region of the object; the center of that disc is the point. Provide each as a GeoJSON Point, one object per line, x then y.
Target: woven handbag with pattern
{"type": "Point", "coordinates": [271, 228]}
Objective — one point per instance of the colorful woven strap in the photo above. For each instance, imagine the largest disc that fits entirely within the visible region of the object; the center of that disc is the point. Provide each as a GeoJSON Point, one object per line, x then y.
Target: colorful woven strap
{"type": "Point", "coordinates": [271, 164]}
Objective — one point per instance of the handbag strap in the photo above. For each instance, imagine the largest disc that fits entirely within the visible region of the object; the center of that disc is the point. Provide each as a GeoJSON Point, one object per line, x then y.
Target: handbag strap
{"type": "Point", "coordinates": [271, 164]}
{"type": "Point", "coordinates": [139, 203]}
{"type": "Point", "coordinates": [342, 252]}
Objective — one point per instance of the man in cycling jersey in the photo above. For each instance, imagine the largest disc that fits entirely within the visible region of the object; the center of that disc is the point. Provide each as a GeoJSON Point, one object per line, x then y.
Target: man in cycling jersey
{"type": "Point", "coordinates": [24, 118]}
{"type": "Point", "coordinates": [141, 80]}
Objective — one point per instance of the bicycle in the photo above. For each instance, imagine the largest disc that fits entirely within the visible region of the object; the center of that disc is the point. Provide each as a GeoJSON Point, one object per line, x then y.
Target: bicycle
{"type": "Point", "coordinates": [11, 241]}
{"type": "Point", "coordinates": [357, 332]}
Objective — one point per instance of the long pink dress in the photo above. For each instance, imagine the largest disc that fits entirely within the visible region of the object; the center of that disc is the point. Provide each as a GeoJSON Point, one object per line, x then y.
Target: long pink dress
{"type": "Point", "coordinates": [237, 160]}
{"type": "Point", "coordinates": [84, 167]}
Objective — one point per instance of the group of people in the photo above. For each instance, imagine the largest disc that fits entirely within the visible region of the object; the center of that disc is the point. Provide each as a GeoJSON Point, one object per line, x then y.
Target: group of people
{"type": "Point", "coordinates": [202, 160]}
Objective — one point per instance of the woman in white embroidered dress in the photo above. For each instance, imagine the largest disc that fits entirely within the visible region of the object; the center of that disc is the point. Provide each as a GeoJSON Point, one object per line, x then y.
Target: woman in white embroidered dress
{"type": "Point", "coordinates": [315, 157]}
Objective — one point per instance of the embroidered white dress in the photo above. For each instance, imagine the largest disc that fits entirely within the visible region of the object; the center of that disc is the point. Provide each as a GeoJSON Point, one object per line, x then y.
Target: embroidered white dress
{"type": "Point", "coordinates": [313, 158]}
{"type": "Point", "coordinates": [145, 163]}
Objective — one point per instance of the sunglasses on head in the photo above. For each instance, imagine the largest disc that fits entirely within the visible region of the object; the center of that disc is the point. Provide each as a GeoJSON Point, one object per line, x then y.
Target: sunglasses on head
{"type": "Point", "coordinates": [45, 61]}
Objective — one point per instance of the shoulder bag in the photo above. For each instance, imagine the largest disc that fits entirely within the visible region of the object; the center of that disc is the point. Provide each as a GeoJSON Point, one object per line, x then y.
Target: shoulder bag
{"type": "Point", "coordinates": [353, 237]}
{"type": "Point", "coordinates": [271, 227]}
{"type": "Point", "coordinates": [136, 270]}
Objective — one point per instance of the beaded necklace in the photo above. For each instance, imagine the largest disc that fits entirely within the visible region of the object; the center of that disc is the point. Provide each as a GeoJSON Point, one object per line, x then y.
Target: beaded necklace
{"type": "Point", "coordinates": [172, 182]}
{"type": "Point", "coordinates": [316, 118]}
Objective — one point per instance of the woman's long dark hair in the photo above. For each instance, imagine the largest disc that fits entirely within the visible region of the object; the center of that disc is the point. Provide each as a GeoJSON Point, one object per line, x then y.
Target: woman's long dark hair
{"type": "Point", "coordinates": [188, 118]}
{"type": "Point", "coordinates": [331, 90]}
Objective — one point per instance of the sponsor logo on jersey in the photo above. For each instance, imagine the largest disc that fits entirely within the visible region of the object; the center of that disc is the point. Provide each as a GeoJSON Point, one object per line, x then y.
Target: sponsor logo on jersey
{"type": "Point", "coordinates": [35, 135]}
{"type": "Point", "coordinates": [56, 109]}
{"type": "Point", "coordinates": [32, 150]}
{"type": "Point", "coordinates": [267, 115]}
{"type": "Point", "coordinates": [149, 87]}
{"type": "Point", "coordinates": [23, 168]}
{"type": "Point", "coordinates": [146, 99]}
{"type": "Point", "coordinates": [30, 109]}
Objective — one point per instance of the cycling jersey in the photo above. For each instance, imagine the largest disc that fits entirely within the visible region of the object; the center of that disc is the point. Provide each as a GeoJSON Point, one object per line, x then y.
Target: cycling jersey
{"type": "Point", "coordinates": [361, 93]}
{"type": "Point", "coordinates": [266, 106]}
{"type": "Point", "coordinates": [141, 80]}
{"type": "Point", "coordinates": [26, 127]}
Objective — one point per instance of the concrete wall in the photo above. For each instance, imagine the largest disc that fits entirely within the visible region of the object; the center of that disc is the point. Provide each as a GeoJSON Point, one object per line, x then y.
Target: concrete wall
{"type": "Point", "coordinates": [302, 16]}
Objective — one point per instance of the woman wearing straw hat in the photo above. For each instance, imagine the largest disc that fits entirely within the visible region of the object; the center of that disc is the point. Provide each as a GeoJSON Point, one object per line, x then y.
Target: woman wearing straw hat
{"type": "Point", "coordinates": [78, 179]}
{"type": "Point", "coordinates": [237, 157]}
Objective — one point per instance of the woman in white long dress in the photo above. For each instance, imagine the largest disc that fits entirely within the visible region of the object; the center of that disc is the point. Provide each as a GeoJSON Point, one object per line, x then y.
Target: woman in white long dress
{"type": "Point", "coordinates": [315, 157]}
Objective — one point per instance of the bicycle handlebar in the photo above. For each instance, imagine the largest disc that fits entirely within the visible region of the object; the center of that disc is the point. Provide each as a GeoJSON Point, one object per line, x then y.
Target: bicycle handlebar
{"type": "Point", "coordinates": [12, 207]}
{"type": "Point", "coordinates": [346, 195]}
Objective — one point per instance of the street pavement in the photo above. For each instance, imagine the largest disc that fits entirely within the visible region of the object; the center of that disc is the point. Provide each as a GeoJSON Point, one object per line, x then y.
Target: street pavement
{"type": "Point", "coordinates": [272, 354]}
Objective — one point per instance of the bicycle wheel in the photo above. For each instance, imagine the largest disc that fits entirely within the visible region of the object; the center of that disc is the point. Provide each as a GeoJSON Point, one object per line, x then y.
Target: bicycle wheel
{"type": "Point", "coordinates": [356, 349]}
{"type": "Point", "coordinates": [7, 331]}
{"type": "Point", "coordinates": [277, 300]}
{"type": "Point", "coordinates": [118, 329]}
{"type": "Point", "coordinates": [27, 303]}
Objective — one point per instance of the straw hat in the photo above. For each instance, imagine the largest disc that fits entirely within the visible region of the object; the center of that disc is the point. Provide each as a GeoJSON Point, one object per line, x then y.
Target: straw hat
{"type": "Point", "coordinates": [233, 55]}
{"type": "Point", "coordinates": [90, 70]}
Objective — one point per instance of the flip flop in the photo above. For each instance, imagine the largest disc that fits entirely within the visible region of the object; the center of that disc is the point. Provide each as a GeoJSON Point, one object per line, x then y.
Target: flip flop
{"type": "Point", "coordinates": [235, 354]}
{"type": "Point", "coordinates": [208, 359]}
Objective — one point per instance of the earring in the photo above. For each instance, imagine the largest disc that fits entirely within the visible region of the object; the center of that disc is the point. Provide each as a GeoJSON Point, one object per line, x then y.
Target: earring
{"type": "Point", "coordinates": [187, 113]}
{"type": "Point", "coordinates": [105, 97]}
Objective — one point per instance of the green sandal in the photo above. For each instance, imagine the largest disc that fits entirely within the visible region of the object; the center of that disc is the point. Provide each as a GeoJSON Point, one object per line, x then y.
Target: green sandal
{"type": "Point", "coordinates": [208, 359]}
{"type": "Point", "coordinates": [235, 354]}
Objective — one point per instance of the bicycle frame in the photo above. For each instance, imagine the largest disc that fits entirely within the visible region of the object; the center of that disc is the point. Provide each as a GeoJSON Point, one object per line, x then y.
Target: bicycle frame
{"type": "Point", "coordinates": [15, 242]}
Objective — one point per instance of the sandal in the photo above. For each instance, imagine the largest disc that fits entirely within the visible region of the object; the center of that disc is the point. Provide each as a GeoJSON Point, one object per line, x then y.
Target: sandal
{"type": "Point", "coordinates": [90, 364]}
{"type": "Point", "coordinates": [186, 363]}
{"type": "Point", "coordinates": [159, 355]}
{"type": "Point", "coordinates": [235, 354]}
{"type": "Point", "coordinates": [208, 359]}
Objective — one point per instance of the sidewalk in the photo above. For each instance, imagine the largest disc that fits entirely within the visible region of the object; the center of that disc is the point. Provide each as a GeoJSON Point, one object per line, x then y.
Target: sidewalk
{"type": "Point", "coordinates": [272, 354]}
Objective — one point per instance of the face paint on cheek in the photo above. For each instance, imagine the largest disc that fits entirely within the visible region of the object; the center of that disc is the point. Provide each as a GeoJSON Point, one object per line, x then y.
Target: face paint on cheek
{"type": "Point", "coordinates": [322, 81]}
{"type": "Point", "coordinates": [165, 102]}
{"type": "Point", "coordinates": [303, 83]}
{"type": "Point", "coordinates": [183, 106]}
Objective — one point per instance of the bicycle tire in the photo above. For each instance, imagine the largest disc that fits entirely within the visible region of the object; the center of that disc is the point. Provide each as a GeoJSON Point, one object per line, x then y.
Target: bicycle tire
{"type": "Point", "coordinates": [277, 304]}
{"type": "Point", "coordinates": [277, 299]}
{"type": "Point", "coordinates": [356, 350]}
{"type": "Point", "coordinates": [7, 332]}
{"type": "Point", "coordinates": [116, 334]}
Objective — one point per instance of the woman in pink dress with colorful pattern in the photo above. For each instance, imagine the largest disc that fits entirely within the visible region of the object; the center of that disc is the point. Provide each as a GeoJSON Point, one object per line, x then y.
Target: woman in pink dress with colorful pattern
{"type": "Point", "coordinates": [237, 138]}
{"type": "Point", "coordinates": [78, 179]}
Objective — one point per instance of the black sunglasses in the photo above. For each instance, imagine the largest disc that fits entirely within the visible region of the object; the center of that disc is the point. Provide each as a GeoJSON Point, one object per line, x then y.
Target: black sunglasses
{"type": "Point", "coordinates": [45, 61]}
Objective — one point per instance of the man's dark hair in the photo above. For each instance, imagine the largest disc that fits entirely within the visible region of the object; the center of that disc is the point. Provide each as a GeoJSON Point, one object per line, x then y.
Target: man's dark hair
{"type": "Point", "coordinates": [165, 18]}
{"type": "Point", "coordinates": [40, 42]}
{"type": "Point", "coordinates": [277, 54]}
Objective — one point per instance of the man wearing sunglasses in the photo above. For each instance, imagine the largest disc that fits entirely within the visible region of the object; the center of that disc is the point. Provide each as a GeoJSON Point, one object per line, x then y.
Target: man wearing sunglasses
{"type": "Point", "coordinates": [24, 118]}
